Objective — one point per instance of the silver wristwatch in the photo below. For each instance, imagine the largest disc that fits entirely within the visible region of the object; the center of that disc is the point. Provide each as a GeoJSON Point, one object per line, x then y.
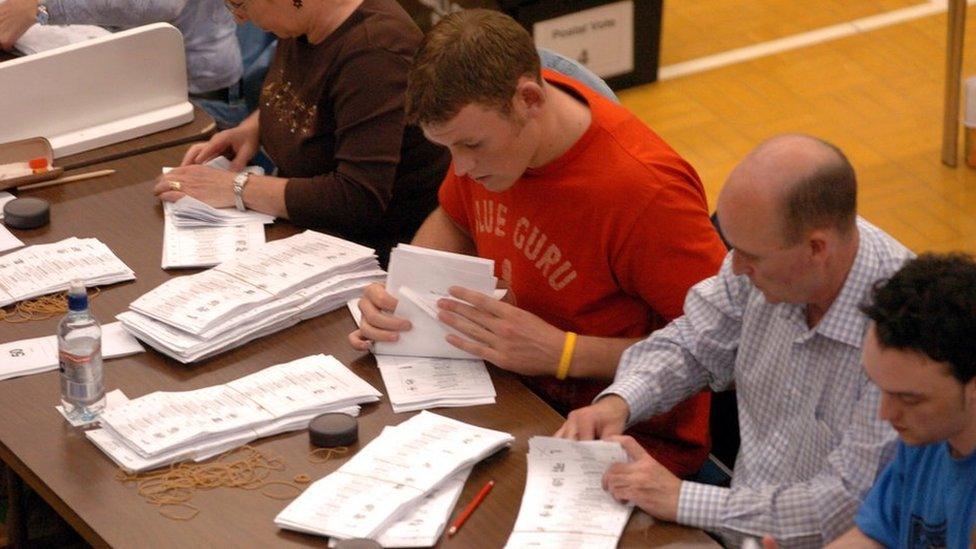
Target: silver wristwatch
{"type": "Point", "coordinates": [240, 180]}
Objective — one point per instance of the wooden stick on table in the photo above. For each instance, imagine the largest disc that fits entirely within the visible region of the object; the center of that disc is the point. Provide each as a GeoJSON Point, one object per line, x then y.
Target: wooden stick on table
{"type": "Point", "coordinates": [69, 179]}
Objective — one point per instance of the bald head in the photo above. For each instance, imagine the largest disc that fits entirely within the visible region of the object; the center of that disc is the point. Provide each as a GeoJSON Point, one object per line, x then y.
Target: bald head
{"type": "Point", "coordinates": [802, 182]}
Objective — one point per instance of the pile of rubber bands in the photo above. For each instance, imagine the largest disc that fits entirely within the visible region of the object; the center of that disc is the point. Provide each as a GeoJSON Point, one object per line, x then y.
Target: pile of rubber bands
{"type": "Point", "coordinates": [246, 467]}
{"type": "Point", "coordinates": [40, 308]}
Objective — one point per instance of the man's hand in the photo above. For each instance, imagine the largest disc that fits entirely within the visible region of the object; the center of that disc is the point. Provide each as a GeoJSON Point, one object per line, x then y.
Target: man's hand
{"type": "Point", "coordinates": [16, 16]}
{"type": "Point", "coordinates": [643, 481]}
{"type": "Point", "coordinates": [378, 323]}
{"type": "Point", "coordinates": [509, 337]}
{"type": "Point", "coordinates": [607, 417]}
{"type": "Point", "coordinates": [210, 185]}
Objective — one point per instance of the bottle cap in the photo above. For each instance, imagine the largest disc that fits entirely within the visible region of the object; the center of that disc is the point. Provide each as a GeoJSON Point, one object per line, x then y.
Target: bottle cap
{"type": "Point", "coordinates": [333, 429]}
{"type": "Point", "coordinates": [77, 296]}
{"type": "Point", "coordinates": [26, 213]}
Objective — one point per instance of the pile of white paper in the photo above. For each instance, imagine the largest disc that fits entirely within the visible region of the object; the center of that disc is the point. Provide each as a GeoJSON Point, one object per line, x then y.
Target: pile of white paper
{"type": "Point", "coordinates": [195, 234]}
{"type": "Point", "coordinates": [389, 477]}
{"type": "Point", "coordinates": [252, 295]}
{"type": "Point", "coordinates": [40, 354]}
{"type": "Point", "coordinates": [190, 212]}
{"type": "Point", "coordinates": [564, 503]}
{"type": "Point", "coordinates": [418, 278]}
{"type": "Point", "coordinates": [162, 428]}
{"type": "Point", "coordinates": [48, 268]}
{"type": "Point", "coordinates": [417, 383]}
{"type": "Point", "coordinates": [189, 242]}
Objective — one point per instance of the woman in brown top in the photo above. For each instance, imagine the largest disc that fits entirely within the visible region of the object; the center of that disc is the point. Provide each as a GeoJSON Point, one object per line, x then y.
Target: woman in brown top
{"type": "Point", "coordinates": [331, 118]}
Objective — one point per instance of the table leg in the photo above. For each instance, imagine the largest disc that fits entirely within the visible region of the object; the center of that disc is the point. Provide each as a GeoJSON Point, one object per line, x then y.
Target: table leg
{"type": "Point", "coordinates": [955, 37]}
{"type": "Point", "coordinates": [16, 523]}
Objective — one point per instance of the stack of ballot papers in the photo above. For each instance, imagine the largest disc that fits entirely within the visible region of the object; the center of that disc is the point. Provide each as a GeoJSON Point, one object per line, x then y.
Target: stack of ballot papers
{"type": "Point", "coordinates": [564, 503]}
{"type": "Point", "coordinates": [417, 383]}
{"type": "Point", "coordinates": [162, 428]}
{"type": "Point", "coordinates": [48, 268]}
{"type": "Point", "coordinates": [40, 354]}
{"type": "Point", "coordinates": [418, 278]}
{"type": "Point", "coordinates": [387, 479]}
{"type": "Point", "coordinates": [252, 295]}
{"type": "Point", "coordinates": [196, 234]}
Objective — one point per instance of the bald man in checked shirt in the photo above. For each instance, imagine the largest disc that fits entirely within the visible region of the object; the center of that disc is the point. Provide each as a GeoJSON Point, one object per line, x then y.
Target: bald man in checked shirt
{"type": "Point", "coordinates": [780, 322]}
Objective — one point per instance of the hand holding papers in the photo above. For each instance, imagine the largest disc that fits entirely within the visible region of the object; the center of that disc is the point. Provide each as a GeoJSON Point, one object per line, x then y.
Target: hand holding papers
{"type": "Point", "coordinates": [564, 503]}
{"type": "Point", "coordinates": [418, 383]}
{"type": "Point", "coordinates": [391, 474]}
{"type": "Point", "coordinates": [418, 278]}
{"type": "Point", "coordinates": [162, 428]}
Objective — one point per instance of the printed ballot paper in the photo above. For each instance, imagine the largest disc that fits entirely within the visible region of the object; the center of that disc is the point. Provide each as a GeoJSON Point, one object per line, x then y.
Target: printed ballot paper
{"type": "Point", "coordinates": [165, 427]}
{"type": "Point", "coordinates": [564, 503]}
{"type": "Point", "coordinates": [272, 287]}
{"type": "Point", "coordinates": [389, 477]}
{"type": "Point", "coordinates": [418, 277]}
{"type": "Point", "coordinates": [40, 354]}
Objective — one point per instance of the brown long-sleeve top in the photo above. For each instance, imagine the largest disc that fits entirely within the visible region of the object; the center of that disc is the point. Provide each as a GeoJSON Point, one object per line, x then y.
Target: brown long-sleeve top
{"type": "Point", "coordinates": [332, 120]}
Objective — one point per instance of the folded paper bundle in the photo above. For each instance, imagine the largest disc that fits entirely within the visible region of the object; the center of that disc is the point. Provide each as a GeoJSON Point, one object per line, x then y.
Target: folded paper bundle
{"type": "Point", "coordinates": [270, 288]}
{"type": "Point", "coordinates": [388, 478]}
{"type": "Point", "coordinates": [163, 428]}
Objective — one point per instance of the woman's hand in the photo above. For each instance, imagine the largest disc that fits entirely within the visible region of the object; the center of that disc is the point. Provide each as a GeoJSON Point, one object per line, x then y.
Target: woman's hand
{"type": "Point", "coordinates": [210, 185]}
{"type": "Point", "coordinates": [242, 143]}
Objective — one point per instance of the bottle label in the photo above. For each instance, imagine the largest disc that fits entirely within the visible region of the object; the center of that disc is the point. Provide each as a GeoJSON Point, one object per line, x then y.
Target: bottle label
{"type": "Point", "coordinates": [79, 375]}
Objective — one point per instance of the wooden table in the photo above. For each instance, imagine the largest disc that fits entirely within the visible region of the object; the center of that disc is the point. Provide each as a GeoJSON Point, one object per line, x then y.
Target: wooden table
{"type": "Point", "coordinates": [79, 482]}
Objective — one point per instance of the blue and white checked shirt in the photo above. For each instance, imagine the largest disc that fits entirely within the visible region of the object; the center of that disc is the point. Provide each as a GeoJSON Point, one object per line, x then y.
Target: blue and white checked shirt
{"type": "Point", "coordinates": [812, 442]}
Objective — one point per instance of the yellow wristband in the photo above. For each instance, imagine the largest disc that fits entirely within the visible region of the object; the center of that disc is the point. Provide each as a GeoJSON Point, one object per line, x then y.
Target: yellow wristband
{"type": "Point", "coordinates": [567, 357]}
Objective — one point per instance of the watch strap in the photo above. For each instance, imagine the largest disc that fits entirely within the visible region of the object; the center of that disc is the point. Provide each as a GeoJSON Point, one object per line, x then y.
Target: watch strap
{"type": "Point", "coordinates": [240, 181]}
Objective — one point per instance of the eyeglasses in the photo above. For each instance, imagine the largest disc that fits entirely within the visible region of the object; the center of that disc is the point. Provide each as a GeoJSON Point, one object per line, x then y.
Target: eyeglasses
{"type": "Point", "coordinates": [235, 7]}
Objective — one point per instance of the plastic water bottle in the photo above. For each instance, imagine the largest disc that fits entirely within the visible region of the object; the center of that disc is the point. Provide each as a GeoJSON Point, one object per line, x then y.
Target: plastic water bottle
{"type": "Point", "coordinates": [80, 358]}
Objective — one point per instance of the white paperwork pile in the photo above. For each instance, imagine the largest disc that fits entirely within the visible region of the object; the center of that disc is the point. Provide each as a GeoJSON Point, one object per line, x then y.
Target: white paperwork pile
{"type": "Point", "coordinates": [418, 278]}
{"type": "Point", "coordinates": [47, 268]}
{"type": "Point", "coordinates": [255, 294]}
{"type": "Point", "coordinates": [564, 503]}
{"type": "Point", "coordinates": [421, 370]}
{"type": "Point", "coordinates": [162, 428]}
{"type": "Point", "coordinates": [386, 479]}
{"type": "Point", "coordinates": [196, 234]}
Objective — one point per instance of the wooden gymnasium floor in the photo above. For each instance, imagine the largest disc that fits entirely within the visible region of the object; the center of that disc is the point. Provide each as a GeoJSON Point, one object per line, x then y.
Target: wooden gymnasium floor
{"type": "Point", "coordinates": [878, 94]}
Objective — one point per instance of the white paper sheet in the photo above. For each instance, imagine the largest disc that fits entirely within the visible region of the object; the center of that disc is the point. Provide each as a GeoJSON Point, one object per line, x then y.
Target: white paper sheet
{"type": "Point", "coordinates": [40, 354]}
{"type": "Point", "coordinates": [7, 240]}
{"type": "Point", "coordinates": [418, 278]}
{"type": "Point", "coordinates": [564, 503]}
{"type": "Point", "coordinates": [47, 268]}
{"type": "Point", "coordinates": [389, 476]}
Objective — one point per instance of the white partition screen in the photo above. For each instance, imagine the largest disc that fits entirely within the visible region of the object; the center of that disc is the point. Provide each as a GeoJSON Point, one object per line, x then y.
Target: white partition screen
{"type": "Point", "coordinates": [99, 92]}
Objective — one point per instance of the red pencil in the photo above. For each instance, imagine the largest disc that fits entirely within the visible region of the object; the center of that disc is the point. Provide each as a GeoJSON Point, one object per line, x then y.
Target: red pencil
{"type": "Point", "coordinates": [470, 508]}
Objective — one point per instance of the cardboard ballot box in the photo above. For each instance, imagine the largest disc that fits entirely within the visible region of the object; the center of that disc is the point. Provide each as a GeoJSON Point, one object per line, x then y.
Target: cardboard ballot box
{"type": "Point", "coordinates": [619, 40]}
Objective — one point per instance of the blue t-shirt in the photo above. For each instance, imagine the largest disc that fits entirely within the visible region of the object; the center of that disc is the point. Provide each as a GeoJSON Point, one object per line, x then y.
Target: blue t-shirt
{"type": "Point", "coordinates": [924, 498]}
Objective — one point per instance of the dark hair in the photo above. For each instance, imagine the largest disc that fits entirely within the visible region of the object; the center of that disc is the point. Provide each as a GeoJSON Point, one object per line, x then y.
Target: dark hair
{"type": "Point", "coordinates": [929, 306]}
{"type": "Point", "coordinates": [471, 56]}
{"type": "Point", "coordinates": [827, 197]}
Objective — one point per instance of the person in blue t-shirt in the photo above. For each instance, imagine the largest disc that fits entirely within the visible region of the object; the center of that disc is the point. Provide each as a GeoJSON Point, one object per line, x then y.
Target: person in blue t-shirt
{"type": "Point", "coordinates": [921, 353]}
